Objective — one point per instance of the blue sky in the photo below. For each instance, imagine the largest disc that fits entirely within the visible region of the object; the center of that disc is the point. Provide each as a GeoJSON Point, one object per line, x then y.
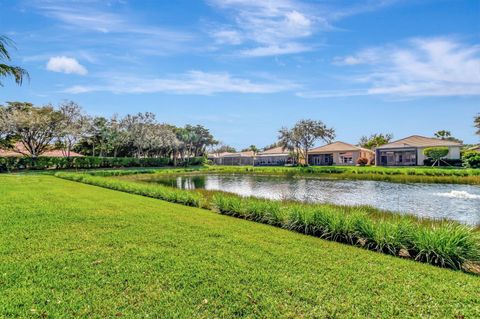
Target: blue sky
{"type": "Point", "coordinates": [245, 68]}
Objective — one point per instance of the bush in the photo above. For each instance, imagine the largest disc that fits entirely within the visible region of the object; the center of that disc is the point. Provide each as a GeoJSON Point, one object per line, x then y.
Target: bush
{"type": "Point", "coordinates": [436, 153]}
{"type": "Point", "coordinates": [87, 162]}
{"type": "Point", "coordinates": [362, 161]}
{"type": "Point", "coordinates": [471, 159]}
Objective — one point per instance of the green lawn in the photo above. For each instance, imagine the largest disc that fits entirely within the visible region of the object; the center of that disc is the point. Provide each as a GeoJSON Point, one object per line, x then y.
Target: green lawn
{"type": "Point", "coordinates": [69, 249]}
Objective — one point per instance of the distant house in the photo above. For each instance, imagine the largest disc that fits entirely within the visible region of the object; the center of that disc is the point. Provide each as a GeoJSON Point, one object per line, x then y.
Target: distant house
{"type": "Point", "coordinates": [338, 153]}
{"type": "Point", "coordinates": [475, 148]}
{"type": "Point", "coordinates": [217, 158]}
{"type": "Point", "coordinates": [240, 158]}
{"type": "Point", "coordinates": [19, 150]}
{"type": "Point", "coordinates": [409, 151]}
{"type": "Point", "coordinates": [276, 156]}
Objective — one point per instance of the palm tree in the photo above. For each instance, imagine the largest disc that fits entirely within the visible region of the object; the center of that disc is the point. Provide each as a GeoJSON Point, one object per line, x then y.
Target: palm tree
{"type": "Point", "coordinates": [9, 70]}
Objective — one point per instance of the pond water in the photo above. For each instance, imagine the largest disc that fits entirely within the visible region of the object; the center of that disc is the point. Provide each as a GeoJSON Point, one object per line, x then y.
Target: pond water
{"type": "Point", "coordinates": [456, 202]}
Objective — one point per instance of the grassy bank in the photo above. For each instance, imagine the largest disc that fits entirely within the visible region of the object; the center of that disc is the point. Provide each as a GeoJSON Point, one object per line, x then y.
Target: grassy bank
{"type": "Point", "coordinates": [74, 250]}
{"type": "Point", "coordinates": [387, 174]}
{"type": "Point", "coordinates": [445, 244]}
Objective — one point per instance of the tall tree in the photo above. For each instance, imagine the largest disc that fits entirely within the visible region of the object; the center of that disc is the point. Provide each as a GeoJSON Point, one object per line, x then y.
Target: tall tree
{"type": "Point", "coordinates": [224, 149]}
{"type": "Point", "coordinates": [74, 125]}
{"type": "Point", "coordinates": [375, 140]}
{"type": "Point", "coordinates": [303, 136]}
{"type": "Point", "coordinates": [252, 148]}
{"type": "Point", "coordinates": [34, 127]}
{"type": "Point", "coordinates": [18, 73]}
{"type": "Point", "coordinates": [446, 135]}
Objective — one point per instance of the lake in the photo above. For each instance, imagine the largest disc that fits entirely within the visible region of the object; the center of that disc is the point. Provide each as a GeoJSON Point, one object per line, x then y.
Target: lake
{"type": "Point", "coordinates": [452, 201]}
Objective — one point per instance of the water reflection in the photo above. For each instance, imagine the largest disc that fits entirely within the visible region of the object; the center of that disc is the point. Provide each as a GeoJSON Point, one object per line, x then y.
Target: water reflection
{"type": "Point", "coordinates": [457, 202]}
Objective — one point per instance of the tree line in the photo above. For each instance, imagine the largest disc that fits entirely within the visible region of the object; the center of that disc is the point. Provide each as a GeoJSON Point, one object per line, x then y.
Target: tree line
{"type": "Point", "coordinates": [69, 128]}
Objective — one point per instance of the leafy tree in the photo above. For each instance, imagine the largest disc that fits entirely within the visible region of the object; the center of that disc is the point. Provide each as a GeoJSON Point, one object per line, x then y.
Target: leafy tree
{"type": "Point", "coordinates": [276, 144]}
{"type": "Point", "coordinates": [34, 127]}
{"type": "Point", "coordinates": [224, 149]}
{"type": "Point", "coordinates": [446, 135]}
{"type": "Point", "coordinates": [9, 70]}
{"type": "Point", "coordinates": [303, 136]}
{"type": "Point", "coordinates": [436, 153]}
{"type": "Point", "coordinates": [252, 148]}
{"type": "Point", "coordinates": [375, 140]}
{"type": "Point", "coordinates": [74, 125]}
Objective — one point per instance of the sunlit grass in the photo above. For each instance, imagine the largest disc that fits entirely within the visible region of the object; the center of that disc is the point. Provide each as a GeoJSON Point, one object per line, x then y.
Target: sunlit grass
{"type": "Point", "coordinates": [70, 250]}
{"type": "Point", "coordinates": [441, 243]}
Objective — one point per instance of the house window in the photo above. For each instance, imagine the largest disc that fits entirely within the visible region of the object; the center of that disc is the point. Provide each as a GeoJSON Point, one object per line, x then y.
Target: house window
{"type": "Point", "coordinates": [346, 158]}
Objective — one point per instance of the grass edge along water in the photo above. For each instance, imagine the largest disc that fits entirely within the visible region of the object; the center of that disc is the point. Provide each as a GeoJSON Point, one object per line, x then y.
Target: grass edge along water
{"type": "Point", "coordinates": [440, 243]}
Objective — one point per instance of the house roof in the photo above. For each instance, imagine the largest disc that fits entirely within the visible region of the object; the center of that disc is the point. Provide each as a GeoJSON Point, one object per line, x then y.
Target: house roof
{"type": "Point", "coordinates": [338, 147]}
{"type": "Point", "coordinates": [217, 155]}
{"type": "Point", "coordinates": [475, 148]}
{"type": "Point", "coordinates": [418, 141]}
{"type": "Point", "coordinates": [241, 154]}
{"type": "Point", "coordinates": [274, 151]}
{"type": "Point", "coordinates": [19, 150]}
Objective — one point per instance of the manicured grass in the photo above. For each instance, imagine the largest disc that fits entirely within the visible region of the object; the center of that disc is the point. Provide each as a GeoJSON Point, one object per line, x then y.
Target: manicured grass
{"type": "Point", "coordinates": [441, 243]}
{"type": "Point", "coordinates": [74, 250]}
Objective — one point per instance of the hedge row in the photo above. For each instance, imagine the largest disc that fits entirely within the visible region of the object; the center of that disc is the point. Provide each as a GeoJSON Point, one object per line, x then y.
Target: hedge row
{"type": "Point", "coordinates": [8, 164]}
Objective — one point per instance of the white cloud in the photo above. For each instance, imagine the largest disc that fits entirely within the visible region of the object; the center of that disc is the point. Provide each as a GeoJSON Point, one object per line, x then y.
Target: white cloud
{"type": "Point", "coordinates": [227, 37]}
{"type": "Point", "coordinates": [287, 48]}
{"type": "Point", "coordinates": [193, 82]}
{"type": "Point", "coordinates": [65, 64]}
{"type": "Point", "coordinates": [421, 67]}
{"type": "Point", "coordinates": [269, 27]}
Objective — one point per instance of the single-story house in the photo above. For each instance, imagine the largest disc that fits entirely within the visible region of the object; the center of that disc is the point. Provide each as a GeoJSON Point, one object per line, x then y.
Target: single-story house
{"type": "Point", "coordinates": [409, 151]}
{"type": "Point", "coordinates": [277, 156]}
{"type": "Point", "coordinates": [240, 158]}
{"type": "Point", "coordinates": [475, 148]}
{"type": "Point", "coordinates": [19, 150]}
{"type": "Point", "coordinates": [217, 158]}
{"type": "Point", "coordinates": [338, 153]}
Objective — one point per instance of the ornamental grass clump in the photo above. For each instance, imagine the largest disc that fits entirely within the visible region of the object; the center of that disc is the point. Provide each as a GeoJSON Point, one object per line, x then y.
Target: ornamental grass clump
{"type": "Point", "coordinates": [446, 245]}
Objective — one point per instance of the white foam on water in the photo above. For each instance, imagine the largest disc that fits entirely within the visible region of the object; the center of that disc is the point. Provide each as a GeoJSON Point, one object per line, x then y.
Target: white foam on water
{"type": "Point", "coordinates": [459, 194]}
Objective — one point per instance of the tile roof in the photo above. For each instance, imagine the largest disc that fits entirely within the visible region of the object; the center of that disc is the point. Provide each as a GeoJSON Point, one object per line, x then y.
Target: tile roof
{"type": "Point", "coordinates": [419, 141]}
{"type": "Point", "coordinates": [241, 154]}
{"type": "Point", "coordinates": [18, 149]}
{"type": "Point", "coordinates": [337, 147]}
{"type": "Point", "coordinates": [275, 151]}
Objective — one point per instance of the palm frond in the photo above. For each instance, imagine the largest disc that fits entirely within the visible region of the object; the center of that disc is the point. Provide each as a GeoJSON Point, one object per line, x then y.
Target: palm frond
{"type": "Point", "coordinates": [17, 72]}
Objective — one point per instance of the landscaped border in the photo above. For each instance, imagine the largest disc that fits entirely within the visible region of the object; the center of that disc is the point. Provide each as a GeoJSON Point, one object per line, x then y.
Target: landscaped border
{"type": "Point", "coordinates": [387, 174]}
{"type": "Point", "coordinates": [441, 243]}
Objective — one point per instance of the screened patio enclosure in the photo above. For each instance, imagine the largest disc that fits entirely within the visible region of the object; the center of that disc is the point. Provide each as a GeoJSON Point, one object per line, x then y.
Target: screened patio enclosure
{"type": "Point", "coordinates": [320, 159]}
{"type": "Point", "coordinates": [398, 157]}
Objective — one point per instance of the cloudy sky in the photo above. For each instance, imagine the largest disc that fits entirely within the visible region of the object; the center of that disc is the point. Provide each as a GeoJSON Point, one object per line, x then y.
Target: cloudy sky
{"type": "Point", "coordinates": [245, 68]}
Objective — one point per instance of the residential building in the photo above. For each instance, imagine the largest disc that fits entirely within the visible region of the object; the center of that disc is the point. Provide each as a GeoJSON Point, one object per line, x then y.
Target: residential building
{"type": "Point", "coordinates": [339, 153]}
{"type": "Point", "coordinates": [277, 156]}
{"type": "Point", "coordinates": [409, 151]}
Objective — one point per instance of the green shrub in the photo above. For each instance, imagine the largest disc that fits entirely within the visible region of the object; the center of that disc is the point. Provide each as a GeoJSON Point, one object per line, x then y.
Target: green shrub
{"type": "Point", "coordinates": [471, 159]}
{"type": "Point", "coordinates": [84, 162]}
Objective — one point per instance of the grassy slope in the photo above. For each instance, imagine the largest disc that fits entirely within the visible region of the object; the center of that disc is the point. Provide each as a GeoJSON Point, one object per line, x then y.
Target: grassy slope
{"type": "Point", "coordinates": [69, 249]}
